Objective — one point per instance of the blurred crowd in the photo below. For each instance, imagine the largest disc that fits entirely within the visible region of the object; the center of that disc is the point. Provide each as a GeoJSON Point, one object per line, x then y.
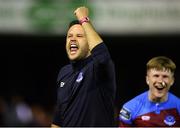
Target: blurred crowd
{"type": "Point", "coordinates": [17, 112]}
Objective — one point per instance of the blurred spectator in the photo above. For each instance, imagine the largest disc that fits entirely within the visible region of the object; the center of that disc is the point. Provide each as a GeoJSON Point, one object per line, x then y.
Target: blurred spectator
{"type": "Point", "coordinates": [17, 113]}
{"type": "Point", "coordinates": [41, 117]}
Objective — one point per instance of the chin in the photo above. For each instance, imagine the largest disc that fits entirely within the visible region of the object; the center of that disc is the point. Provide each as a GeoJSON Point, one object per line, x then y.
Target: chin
{"type": "Point", "coordinates": [159, 96]}
{"type": "Point", "coordinates": [74, 58]}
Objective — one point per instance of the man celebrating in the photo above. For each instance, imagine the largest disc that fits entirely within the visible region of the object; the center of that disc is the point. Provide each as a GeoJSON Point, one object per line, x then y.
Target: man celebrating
{"type": "Point", "coordinates": [156, 107]}
{"type": "Point", "coordinates": [86, 87]}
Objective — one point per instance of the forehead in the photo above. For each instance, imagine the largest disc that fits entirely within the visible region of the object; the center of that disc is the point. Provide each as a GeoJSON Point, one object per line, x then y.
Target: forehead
{"type": "Point", "coordinates": [163, 72]}
{"type": "Point", "coordinates": [77, 28]}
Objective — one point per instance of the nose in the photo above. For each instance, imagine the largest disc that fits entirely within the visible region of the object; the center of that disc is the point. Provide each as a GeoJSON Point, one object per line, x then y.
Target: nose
{"type": "Point", "coordinates": [73, 38]}
{"type": "Point", "coordinates": [160, 79]}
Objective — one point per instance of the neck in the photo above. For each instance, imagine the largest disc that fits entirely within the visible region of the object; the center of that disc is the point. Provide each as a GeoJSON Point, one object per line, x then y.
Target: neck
{"type": "Point", "coordinates": [157, 99]}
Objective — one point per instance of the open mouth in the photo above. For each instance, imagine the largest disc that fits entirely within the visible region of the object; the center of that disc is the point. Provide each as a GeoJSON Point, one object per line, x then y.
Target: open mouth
{"type": "Point", "coordinates": [73, 48]}
{"type": "Point", "coordinates": [160, 86]}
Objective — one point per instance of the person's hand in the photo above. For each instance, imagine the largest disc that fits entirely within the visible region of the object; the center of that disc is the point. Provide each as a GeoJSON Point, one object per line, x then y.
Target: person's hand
{"type": "Point", "coordinates": [81, 12]}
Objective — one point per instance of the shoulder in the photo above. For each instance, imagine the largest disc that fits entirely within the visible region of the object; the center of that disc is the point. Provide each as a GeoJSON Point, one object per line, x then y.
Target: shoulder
{"type": "Point", "coordinates": [136, 101]}
{"type": "Point", "coordinates": [131, 107]}
{"type": "Point", "coordinates": [66, 68]}
{"type": "Point", "coordinates": [64, 71]}
{"type": "Point", "coordinates": [174, 101]}
{"type": "Point", "coordinates": [173, 97]}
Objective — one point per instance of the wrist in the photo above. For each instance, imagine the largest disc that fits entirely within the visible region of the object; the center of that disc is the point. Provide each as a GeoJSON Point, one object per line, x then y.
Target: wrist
{"type": "Point", "coordinates": [84, 20]}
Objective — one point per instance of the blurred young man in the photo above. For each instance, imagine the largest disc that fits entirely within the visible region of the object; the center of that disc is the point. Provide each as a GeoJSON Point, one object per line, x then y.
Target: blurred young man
{"type": "Point", "coordinates": [86, 87]}
{"type": "Point", "coordinates": [157, 106]}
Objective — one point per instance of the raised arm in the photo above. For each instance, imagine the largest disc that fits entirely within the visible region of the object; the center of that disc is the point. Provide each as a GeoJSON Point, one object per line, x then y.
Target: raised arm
{"type": "Point", "coordinates": [93, 37]}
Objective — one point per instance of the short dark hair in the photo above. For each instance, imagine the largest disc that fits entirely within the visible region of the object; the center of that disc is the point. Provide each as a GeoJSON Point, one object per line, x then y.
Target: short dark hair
{"type": "Point", "coordinates": [73, 22]}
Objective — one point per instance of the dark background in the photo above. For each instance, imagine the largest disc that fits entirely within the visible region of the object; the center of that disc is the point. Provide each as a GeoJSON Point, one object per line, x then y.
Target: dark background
{"type": "Point", "coordinates": [30, 64]}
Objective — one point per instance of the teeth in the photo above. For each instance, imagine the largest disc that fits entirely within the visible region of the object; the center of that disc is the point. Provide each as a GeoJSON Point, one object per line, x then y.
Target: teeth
{"type": "Point", "coordinates": [73, 45]}
{"type": "Point", "coordinates": [161, 85]}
